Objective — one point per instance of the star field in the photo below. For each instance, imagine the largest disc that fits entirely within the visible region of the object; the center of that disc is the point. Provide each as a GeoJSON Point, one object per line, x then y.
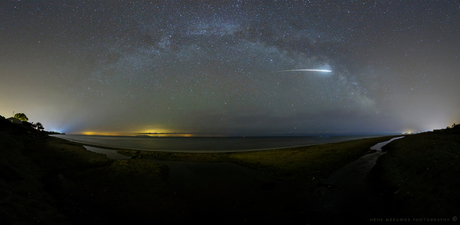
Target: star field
{"type": "Point", "coordinates": [231, 67]}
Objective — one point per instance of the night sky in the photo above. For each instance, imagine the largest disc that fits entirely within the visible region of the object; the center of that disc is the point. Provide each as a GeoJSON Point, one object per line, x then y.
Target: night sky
{"type": "Point", "coordinates": [231, 67]}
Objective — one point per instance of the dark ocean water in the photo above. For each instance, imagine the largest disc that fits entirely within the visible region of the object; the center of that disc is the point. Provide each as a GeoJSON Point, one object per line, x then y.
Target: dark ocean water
{"type": "Point", "coordinates": [203, 144]}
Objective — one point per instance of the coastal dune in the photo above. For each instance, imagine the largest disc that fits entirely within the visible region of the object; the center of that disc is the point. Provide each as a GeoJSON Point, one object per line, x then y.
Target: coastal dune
{"type": "Point", "coordinates": [420, 175]}
{"type": "Point", "coordinates": [69, 185]}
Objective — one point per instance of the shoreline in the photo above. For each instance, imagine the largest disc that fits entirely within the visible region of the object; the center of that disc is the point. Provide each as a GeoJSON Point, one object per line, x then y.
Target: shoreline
{"type": "Point", "coordinates": [281, 162]}
{"type": "Point", "coordinates": [73, 185]}
{"type": "Point", "coordinates": [112, 147]}
{"type": "Point", "coordinates": [69, 174]}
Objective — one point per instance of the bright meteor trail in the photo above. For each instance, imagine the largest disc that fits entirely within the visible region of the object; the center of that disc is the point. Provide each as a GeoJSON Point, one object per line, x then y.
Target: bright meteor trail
{"type": "Point", "coordinates": [231, 68]}
{"type": "Point", "coordinates": [307, 70]}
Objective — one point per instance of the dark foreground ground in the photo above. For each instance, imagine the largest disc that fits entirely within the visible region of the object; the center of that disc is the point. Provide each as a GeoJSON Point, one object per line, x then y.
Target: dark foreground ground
{"type": "Point", "coordinates": [46, 180]}
{"type": "Point", "coordinates": [420, 175]}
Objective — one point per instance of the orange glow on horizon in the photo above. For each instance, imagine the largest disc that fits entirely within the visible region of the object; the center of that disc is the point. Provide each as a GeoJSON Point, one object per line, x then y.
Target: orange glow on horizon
{"type": "Point", "coordinates": [154, 131]}
{"type": "Point", "coordinates": [101, 133]}
{"type": "Point", "coordinates": [154, 134]}
{"type": "Point", "coordinates": [408, 131]}
{"type": "Point", "coordinates": [169, 135]}
{"type": "Point", "coordinates": [151, 133]}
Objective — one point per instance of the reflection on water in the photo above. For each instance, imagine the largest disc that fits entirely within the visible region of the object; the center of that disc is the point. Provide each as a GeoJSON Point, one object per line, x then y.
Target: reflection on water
{"type": "Point", "coordinates": [203, 144]}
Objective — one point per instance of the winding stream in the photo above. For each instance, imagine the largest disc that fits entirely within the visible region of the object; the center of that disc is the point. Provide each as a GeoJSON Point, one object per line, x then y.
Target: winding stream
{"type": "Point", "coordinates": [346, 194]}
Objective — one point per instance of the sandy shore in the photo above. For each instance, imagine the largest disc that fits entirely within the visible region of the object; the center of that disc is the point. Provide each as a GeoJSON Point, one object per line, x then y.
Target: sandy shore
{"type": "Point", "coordinates": [59, 182]}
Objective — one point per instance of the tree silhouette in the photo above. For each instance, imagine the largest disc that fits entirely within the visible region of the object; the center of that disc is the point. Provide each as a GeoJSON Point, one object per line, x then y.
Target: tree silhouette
{"type": "Point", "coordinates": [39, 126]}
{"type": "Point", "coordinates": [21, 116]}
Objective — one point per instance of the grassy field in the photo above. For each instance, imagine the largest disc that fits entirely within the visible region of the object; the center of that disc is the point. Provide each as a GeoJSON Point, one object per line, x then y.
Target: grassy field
{"type": "Point", "coordinates": [86, 186]}
{"type": "Point", "coordinates": [310, 162]}
{"type": "Point", "coordinates": [55, 181]}
{"type": "Point", "coordinates": [90, 186]}
{"type": "Point", "coordinates": [60, 182]}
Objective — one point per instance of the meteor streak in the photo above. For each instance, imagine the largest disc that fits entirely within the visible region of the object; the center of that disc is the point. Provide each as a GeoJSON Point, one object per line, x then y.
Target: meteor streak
{"type": "Point", "coordinates": [307, 70]}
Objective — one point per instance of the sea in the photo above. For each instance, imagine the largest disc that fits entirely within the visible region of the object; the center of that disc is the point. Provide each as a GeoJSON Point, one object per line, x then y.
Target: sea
{"type": "Point", "coordinates": [204, 144]}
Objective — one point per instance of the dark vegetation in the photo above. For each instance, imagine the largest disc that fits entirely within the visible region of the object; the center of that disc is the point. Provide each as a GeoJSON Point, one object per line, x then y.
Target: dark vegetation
{"type": "Point", "coordinates": [52, 181]}
{"type": "Point", "coordinates": [22, 119]}
{"type": "Point", "coordinates": [21, 116]}
{"type": "Point", "coordinates": [420, 174]}
{"type": "Point", "coordinates": [46, 180]}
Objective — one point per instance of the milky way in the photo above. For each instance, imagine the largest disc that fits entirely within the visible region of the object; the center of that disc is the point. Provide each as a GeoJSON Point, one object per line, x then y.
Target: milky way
{"type": "Point", "coordinates": [233, 67]}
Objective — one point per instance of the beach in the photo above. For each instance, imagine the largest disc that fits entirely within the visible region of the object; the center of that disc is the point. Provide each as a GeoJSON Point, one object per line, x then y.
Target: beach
{"type": "Point", "coordinates": [59, 182]}
{"type": "Point", "coordinates": [206, 144]}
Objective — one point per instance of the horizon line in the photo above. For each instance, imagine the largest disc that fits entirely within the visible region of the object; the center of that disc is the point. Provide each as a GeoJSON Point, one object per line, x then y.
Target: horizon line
{"type": "Point", "coordinates": [239, 135]}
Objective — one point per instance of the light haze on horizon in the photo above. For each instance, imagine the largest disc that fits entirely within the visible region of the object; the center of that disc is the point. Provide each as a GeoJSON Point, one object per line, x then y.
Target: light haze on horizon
{"type": "Point", "coordinates": [215, 67]}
